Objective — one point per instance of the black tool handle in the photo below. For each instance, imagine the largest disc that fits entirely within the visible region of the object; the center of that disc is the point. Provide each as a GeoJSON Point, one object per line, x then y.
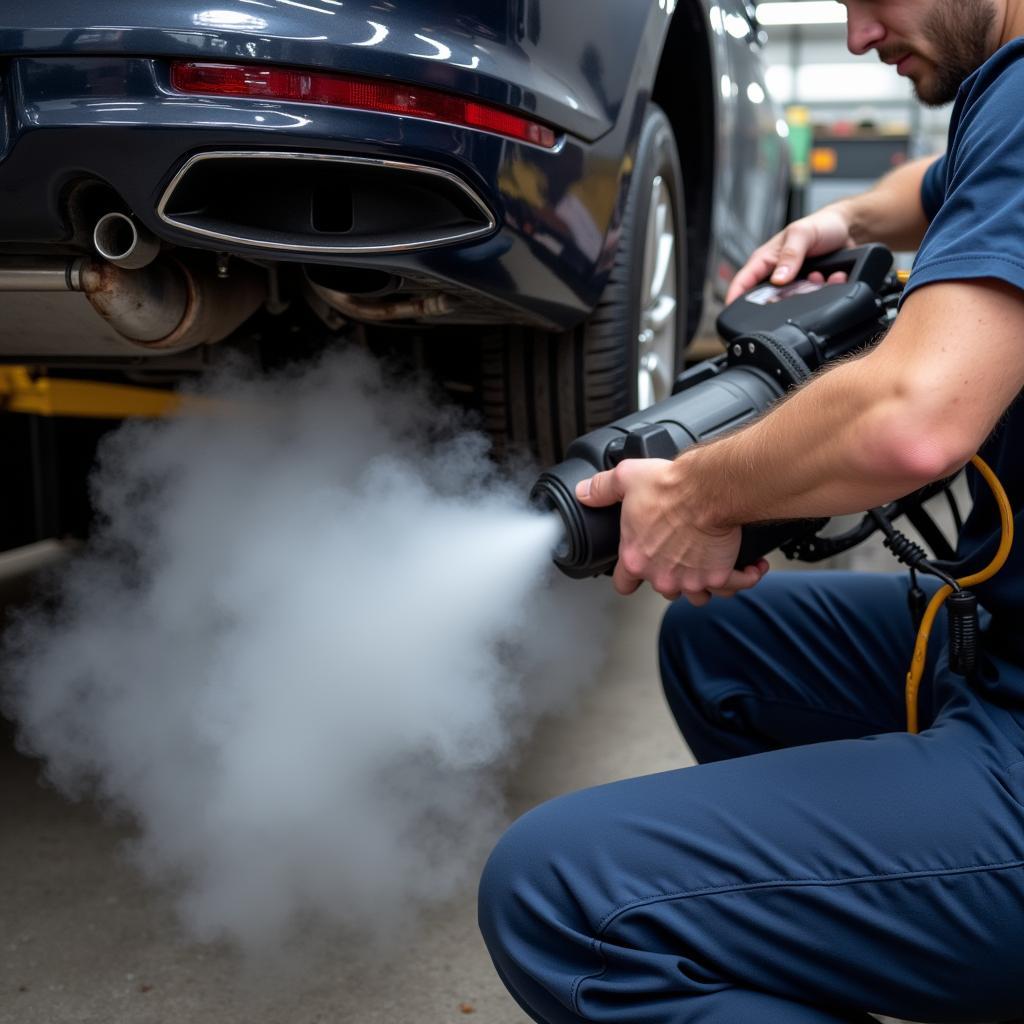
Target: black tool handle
{"type": "Point", "coordinates": [867, 263]}
{"type": "Point", "coordinates": [761, 538]}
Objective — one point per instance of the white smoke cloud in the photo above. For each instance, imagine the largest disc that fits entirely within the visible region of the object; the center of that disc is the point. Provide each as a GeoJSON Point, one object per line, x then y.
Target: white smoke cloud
{"type": "Point", "coordinates": [305, 637]}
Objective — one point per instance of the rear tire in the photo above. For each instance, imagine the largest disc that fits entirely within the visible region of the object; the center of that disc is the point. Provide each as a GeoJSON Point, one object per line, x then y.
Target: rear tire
{"type": "Point", "coordinates": [540, 390]}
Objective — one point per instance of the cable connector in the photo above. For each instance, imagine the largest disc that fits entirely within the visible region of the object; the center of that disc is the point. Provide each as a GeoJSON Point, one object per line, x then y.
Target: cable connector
{"type": "Point", "coordinates": [962, 609]}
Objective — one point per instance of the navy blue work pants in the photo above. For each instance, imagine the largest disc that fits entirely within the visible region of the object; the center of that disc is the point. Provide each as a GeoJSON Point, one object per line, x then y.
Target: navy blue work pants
{"type": "Point", "coordinates": [819, 864]}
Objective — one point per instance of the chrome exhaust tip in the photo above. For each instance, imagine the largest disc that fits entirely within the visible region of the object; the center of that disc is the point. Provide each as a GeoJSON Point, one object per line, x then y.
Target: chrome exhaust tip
{"type": "Point", "coordinates": [120, 240]}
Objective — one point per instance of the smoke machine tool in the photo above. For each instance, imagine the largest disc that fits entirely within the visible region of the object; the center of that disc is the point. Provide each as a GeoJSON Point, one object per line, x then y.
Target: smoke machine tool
{"type": "Point", "coordinates": [775, 337]}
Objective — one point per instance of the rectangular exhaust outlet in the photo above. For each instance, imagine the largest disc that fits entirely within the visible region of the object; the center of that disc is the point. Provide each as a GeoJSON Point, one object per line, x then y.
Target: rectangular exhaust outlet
{"type": "Point", "coordinates": [322, 203]}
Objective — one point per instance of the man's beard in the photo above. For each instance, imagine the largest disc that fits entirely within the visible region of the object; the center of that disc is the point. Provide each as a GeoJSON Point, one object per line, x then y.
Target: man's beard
{"type": "Point", "coordinates": [959, 32]}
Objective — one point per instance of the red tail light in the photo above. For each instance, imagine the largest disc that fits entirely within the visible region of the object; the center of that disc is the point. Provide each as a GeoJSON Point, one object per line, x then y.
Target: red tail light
{"type": "Point", "coordinates": [355, 93]}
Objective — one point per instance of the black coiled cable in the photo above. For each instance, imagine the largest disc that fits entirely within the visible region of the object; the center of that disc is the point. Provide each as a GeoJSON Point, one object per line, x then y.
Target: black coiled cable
{"type": "Point", "coordinates": [907, 551]}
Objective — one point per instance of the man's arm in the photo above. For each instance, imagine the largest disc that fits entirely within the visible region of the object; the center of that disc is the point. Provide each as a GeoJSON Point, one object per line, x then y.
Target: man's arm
{"type": "Point", "coordinates": [890, 213]}
{"type": "Point", "coordinates": [912, 410]}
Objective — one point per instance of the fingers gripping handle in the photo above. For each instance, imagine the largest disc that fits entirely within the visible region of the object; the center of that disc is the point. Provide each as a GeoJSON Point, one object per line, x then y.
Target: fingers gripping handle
{"type": "Point", "coordinates": [589, 545]}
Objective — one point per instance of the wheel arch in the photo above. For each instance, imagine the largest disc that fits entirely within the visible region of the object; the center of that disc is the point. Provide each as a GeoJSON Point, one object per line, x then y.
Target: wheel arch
{"type": "Point", "coordinates": [684, 88]}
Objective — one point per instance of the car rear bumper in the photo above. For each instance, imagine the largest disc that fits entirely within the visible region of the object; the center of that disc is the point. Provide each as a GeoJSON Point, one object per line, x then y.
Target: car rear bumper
{"type": "Point", "coordinates": [116, 120]}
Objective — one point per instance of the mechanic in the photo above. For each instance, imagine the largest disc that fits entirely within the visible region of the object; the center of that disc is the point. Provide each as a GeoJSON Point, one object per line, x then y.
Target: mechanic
{"type": "Point", "coordinates": [821, 862]}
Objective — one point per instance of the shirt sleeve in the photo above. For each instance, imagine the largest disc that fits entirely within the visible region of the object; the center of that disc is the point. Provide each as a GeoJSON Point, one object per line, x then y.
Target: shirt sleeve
{"type": "Point", "coordinates": [977, 229]}
{"type": "Point", "coordinates": [933, 187]}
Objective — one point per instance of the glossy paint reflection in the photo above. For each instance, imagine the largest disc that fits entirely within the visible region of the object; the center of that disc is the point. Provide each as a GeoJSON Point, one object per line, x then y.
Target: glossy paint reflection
{"type": "Point", "coordinates": [553, 61]}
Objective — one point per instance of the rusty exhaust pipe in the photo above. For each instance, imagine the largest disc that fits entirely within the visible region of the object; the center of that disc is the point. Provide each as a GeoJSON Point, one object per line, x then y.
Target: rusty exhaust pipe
{"type": "Point", "coordinates": [358, 307]}
{"type": "Point", "coordinates": [165, 306]}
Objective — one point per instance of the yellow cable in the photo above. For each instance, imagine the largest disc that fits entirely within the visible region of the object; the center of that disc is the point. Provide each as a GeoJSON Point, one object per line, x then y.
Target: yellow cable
{"type": "Point", "coordinates": [1005, 543]}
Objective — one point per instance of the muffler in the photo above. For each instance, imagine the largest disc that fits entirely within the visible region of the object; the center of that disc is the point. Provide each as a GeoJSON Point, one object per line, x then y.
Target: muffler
{"type": "Point", "coordinates": [166, 306]}
{"type": "Point", "coordinates": [169, 306]}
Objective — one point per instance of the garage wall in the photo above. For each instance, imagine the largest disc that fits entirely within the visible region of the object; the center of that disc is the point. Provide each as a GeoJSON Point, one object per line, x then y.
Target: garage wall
{"type": "Point", "coordinates": [810, 66]}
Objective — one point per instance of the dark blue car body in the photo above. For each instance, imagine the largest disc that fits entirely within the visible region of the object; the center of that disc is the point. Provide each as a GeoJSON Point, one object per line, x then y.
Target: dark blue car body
{"type": "Point", "coordinates": [86, 95]}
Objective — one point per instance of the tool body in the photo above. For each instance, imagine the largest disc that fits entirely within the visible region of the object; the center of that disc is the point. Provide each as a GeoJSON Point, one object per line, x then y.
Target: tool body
{"type": "Point", "coordinates": [776, 338]}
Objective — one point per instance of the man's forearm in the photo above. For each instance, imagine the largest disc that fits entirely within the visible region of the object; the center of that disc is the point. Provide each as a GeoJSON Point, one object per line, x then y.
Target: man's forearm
{"type": "Point", "coordinates": [891, 212]}
{"type": "Point", "coordinates": [913, 409]}
{"type": "Point", "coordinates": [843, 443]}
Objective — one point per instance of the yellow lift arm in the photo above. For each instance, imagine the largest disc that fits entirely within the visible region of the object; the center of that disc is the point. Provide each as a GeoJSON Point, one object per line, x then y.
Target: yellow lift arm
{"type": "Point", "coordinates": [23, 391]}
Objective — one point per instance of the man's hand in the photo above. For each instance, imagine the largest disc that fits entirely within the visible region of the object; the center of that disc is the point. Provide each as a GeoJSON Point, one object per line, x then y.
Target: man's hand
{"type": "Point", "coordinates": [661, 541]}
{"type": "Point", "coordinates": [783, 254]}
{"type": "Point", "coordinates": [890, 213]}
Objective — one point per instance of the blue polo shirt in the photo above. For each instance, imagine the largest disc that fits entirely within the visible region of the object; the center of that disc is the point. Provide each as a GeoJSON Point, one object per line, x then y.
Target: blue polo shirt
{"type": "Point", "coordinates": [974, 199]}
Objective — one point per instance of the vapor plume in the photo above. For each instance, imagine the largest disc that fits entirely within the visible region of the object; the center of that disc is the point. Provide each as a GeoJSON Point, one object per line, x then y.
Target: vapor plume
{"type": "Point", "coordinates": [300, 646]}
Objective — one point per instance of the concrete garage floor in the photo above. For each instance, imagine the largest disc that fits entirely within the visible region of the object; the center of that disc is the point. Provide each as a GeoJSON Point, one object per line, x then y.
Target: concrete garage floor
{"type": "Point", "coordinates": [83, 940]}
